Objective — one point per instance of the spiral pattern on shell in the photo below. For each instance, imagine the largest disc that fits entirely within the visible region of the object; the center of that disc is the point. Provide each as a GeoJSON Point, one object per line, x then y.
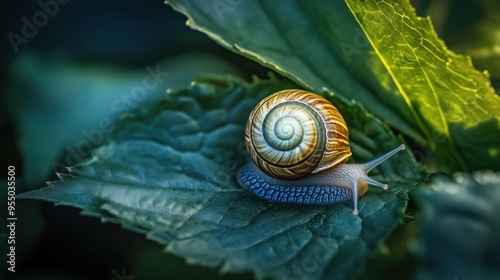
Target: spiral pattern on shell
{"type": "Point", "coordinates": [293, 133]}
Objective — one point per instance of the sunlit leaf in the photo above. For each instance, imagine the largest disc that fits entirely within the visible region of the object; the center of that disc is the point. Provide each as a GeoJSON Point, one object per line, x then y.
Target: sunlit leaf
{"type": "Point", "coordinates": [376, 52]}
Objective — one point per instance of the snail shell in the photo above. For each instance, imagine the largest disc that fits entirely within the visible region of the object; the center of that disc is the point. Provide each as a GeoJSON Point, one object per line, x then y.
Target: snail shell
{"type": "Point", "coordinates": [293, 133]}
{"type": "Point", "coordinates": [298, 143]}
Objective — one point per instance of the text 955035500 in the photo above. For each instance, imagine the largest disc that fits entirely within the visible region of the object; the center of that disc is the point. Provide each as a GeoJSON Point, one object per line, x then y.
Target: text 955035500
{"type": "Point", "coordinates": [11, 218]}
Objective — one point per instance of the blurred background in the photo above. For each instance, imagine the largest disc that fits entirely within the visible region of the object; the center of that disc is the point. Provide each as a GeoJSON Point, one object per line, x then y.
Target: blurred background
{"type": "Point", "coordinates": [63, 81]}
{"type": "Point", "coordinates": [68, 65]}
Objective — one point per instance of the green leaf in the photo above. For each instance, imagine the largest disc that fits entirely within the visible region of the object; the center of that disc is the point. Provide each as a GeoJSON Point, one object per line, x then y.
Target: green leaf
{"type": "Point", "coordinates": [169, 172]}
{"type": "Point", "coordinates": [56, 103]}
{"type": "Point", "coordinates": [460, 228]}
{"type": "Point", "coordinates": [375, 52]}
{"type": "Point", "coordinates": [312, 42]}
{"type": "Point", "coordinates": [453, 103]}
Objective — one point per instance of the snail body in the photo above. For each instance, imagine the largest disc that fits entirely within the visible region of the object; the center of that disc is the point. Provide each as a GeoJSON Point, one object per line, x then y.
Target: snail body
{"type": "Point", "coordinates": [299, 146]}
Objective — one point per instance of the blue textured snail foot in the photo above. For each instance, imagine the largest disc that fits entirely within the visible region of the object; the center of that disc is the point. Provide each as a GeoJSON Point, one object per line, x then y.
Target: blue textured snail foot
{"type": "Point", "coordinates": [273, 190]}
{"type": "Point", "coordinates": [340, 184]}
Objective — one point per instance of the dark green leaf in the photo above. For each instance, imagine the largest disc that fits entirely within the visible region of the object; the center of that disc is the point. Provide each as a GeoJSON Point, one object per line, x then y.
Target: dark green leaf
{"type": "Point", "coordinates": [315, 43]}
{"type": "Point", "coordinates": [56, 103]}
{"type": "Point", "coordinates": [169, 172]}
{"type": "Point", "coordinates": [460, 230]}
{"type": "Point", "coordinates": [376, 52]}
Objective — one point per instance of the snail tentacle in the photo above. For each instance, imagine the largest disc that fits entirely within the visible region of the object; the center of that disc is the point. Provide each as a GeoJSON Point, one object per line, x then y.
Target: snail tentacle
{"type": "Point", "coordinates": [372, 164]}
{"type": "Point", "coordinates": [355, 197]}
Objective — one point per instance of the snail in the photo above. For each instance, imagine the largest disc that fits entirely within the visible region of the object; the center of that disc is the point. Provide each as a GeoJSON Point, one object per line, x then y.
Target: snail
{"type": "Point", "coordinates": [298, 144]}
